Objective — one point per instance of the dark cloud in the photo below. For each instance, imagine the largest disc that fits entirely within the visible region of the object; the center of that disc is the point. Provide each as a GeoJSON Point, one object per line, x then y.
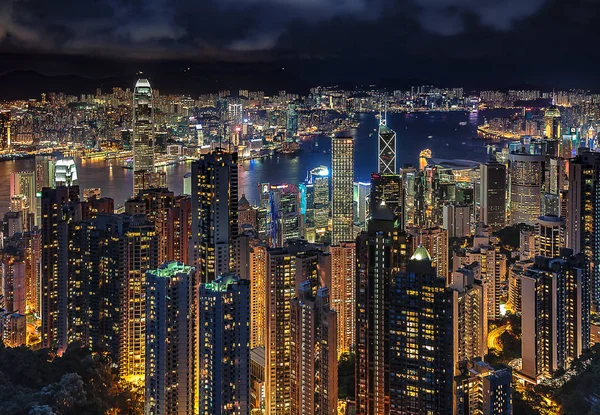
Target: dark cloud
{"type": "Point", "coordinates": [388, 38]}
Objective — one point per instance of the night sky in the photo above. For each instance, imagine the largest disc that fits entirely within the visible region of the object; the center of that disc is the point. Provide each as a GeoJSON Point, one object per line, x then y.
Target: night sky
{"type": "Point", "coordinates": [476, 43]}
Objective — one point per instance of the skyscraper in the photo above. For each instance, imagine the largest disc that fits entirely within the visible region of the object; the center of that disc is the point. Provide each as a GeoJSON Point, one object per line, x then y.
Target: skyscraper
{"type": "Point", "coordinates": [65, 172]}
{"type": "Point", "coordinates": [141, 256]}
{"type": "Point", "coordinates": [555, 302]}
{"type": "Point", "coordinates": [343, 293]}
{"type": "Point", "coordinates": [583, 225]}
{"type": "Point", "coordinates": [52, 204]}
{"type": "Point", "coordinates": [292, 122]}
{"type": "Point", "coordinates": [388, 189]}
{"type": "Point", "coordinates": [313, 353]}
{"type": "Point", "coordinates": [224, 346]}
{"type": "Point", "coordinates": [214, 213]}
{"type": "Point", "coordinates": [552, 123]}
{"type": "Point", "coordinates": [169, 340]}
{"type": "Point", "coordinates": [143, 134]}
{"type": "Point", "coordinates": [342, 179]}
{"type": "Point", "coordinates": [381, 251]}
{"type": "Point", "coordinates": [526, 173]}
{"type": "Point", "coordinates": [550, 236]}
{"type": "Point", "coordinates": [361, 202]}
{"type": "Point", "coordinates": [386, 148]}
{"type": "Point", "coordinates": [281, 274]}
{"type": "Point", "coordinates": [493, 195]}
{"type": "Point", "coordinates": [421, 362]}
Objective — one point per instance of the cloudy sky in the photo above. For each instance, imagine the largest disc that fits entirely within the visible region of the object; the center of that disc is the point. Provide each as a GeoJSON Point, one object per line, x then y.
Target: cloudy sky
{"type": "Point", "coordinates": [549, 39]}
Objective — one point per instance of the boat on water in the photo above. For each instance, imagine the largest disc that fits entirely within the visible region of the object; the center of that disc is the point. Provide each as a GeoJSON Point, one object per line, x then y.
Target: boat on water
{"type": "Point", "coordinates": [128, 164]}
{"type": "Point", "coordinates": [462, 123]}
{"type": "Point", "coordinates": [429, 136]}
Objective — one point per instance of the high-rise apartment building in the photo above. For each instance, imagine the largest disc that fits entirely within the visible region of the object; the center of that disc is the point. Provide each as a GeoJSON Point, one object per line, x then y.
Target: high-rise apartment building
{"type": "Point", "coordinates": [343, 293]}
{"type": "Point", "coordinates": [421, 361]}
{"type": "Point", "coordinates": [469, 314]}
{"type": "Point", "coordinates": [381, 252]}
{"type": "Point", "coordinates": [457, 220]}
{"type": "Point", "coordinates": [486, 252]}
{"type": "Point", "coordinates": [258, 295]}
{"type": "Point", "coordinates": [555, 313]}
{"type": "Point", "coordinates": [313, 354]}
{"type": "Point", "coordinates": [169, 376]}
{"type": "Point", "coordinates": [481, 389]}
{"type": "Point", "coordinates": [141, 255]}
{"type": "Point", "coordinates": [143, 135]}
{"type": "Point", "coordinates": [214, 213]}
{"type": "Point", "coordinates": [342, 179]}
{"type": "Point", "coordinates": [583, 225]}
{"type": "Point", "coordinates": [493, 195]}
{"type": "Point", "coordinates": [280, 290]}
{"type": "Point", "coordinates": [435, 240]}
{"type": "Point", "coordinates": [224, 346]}
{"type": "Point", "coordinates": [549, 236]}
{"type": "Point", "coordinates": [52, 203]}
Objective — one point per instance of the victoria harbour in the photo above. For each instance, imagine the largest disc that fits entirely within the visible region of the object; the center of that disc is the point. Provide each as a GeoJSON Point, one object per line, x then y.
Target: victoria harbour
{"type": "Point", "coordinates": [441, 132]}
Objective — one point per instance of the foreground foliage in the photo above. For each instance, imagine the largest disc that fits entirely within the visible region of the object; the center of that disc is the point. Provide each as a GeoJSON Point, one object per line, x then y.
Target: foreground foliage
{"type": "Point", "coordinates": [79, 382]}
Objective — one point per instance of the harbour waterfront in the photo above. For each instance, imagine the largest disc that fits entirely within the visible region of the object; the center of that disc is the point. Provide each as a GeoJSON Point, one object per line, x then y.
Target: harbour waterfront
{"type": "Point", "coordinates": [441, 132]}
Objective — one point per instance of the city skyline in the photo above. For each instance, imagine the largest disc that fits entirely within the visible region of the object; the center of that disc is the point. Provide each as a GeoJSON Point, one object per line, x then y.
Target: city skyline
{"type": "Point", "coordinates": [323, 249]}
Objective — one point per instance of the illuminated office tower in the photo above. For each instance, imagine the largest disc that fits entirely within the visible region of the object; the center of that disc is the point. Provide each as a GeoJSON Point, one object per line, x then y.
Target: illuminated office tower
{"type": "Point", "coordinates": [141, 255]}
{"type": "Point", "coordinates": [435, 240]}
{"type": "Point", "coordinates": [51, 205]}
{"type": "Point", "coordinates": [457, 220]}
{"type": "Point", "coordinates": [361, 202]}
{"type": "Point", "coordinates": [169, 340]}
{"type": "Point", "coordinates": [65, 172]}
{"type": "Point", "coordinates": [284, 221]}
{"type": "Point", "coordinates": [493, 195]}
{"type": "Point", "coordinates": [550, 236]}
{"type": "Point", "coordinates": [469, 314]}
{"type": "Point", "coordinates": [386, 148]}
{"type": "Point", "coordinates": [23, 183]}
{"type": "Point", "coordinates": [583, 226]}
{"type": "Point", "coordinates": [258, 296]}
{"type": "Point", "coordinates": [486, 252]}
{"type": "Point", "coordinates": [224, 346]}
{"type": "Point", "coordinates": [421, 361]}
{"type": "Point", "coordinates": [343, 293]}
{"type": "Point", "coordinates": [280, 279]}
{"type": "Point", "coordinates": [214, 213]}
{"type": "Point", "coordinates": [552, 123]}
{"type": "Point", "coordinates": [388, 189]}
{"type": "Point", "coordinates": [342, 179]}
{"type": "Point", "coordinates": [314, 380]}
{"type": "Point", "coordinates": [319, 177]}
{"type": "Point", "coordinates": [481, 389]}
{"type": "Point", "coordinates": [13, 281]}
{"type": "Point", "coordinates": [526, 172]}
{"type": "Point", "coordinates": [143, 134]}
{"type": "Point", "coordinates": [291, 122]}
{"type": "Point", "coordinates": [5, 136]}
{"type": "Point", "coordinates": [381, 251]}
{"type": "Point", "coordinates": [555, 301]}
